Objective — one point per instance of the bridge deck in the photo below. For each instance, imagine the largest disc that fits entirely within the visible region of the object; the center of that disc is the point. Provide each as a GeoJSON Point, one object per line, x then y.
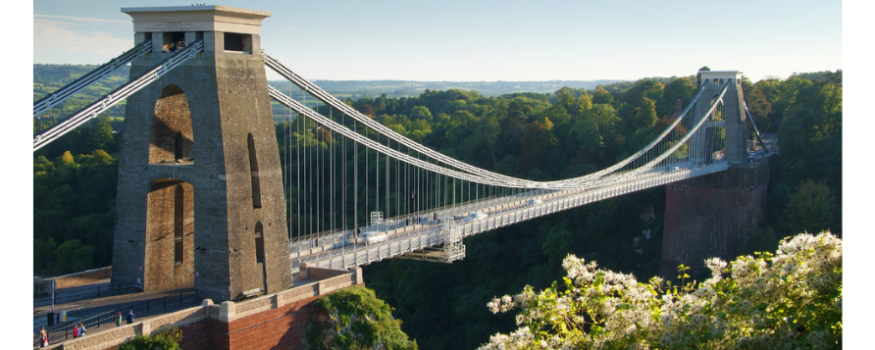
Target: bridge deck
{"type": "Point", "coordinates": [345, 253]}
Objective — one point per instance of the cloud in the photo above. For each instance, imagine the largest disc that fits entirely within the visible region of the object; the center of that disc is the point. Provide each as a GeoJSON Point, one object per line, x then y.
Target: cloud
{"type": "Point", "coordinates": [83, 19]}
{"type": "Point", "coordinates": [65, 42]}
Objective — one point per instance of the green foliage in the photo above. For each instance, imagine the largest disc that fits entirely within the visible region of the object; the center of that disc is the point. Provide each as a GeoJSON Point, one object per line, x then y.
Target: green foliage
{"type": "Point", "coordinates": [505, 260]}
{"type": "Point", "coordinates": [679, 89]}
{"type": "Point", "coordinates": [808, 115]}
{"type": "Point", "coordinates": [74, 212]}
{"type": "Point", "coordinates": [645, 114]}
{"type": "Point", "coordinates": [789, 299]}
{"type": "Point", "coordinates": [557, 244]}
{"type": "Point", "coordinates": [511, 134]}
{"type": "Point", "coordinates": [167, 338]}
{"type": "Point", "coordinates": [420, 112]}
{"type": "Point", "coordinates": [354, 318]}
{"type": "Point", "coordinates": [48, 78]}
{"type": "Point", "coordinates": [811, 207]}
{"type": "Point", "coordinates": [75, 255]}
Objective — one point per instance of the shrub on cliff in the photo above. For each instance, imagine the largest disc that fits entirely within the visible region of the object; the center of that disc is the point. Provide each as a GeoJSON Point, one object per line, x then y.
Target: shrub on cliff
{"type": "Point", "coordinates": [354, 318]}
{"type": "Point", "coordinates": [167, 339]}
{"type": "Point", "coordinates": [789, 299]}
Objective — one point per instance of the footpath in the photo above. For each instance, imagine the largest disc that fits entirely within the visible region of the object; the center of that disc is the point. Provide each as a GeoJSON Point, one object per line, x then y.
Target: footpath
{"type": "Point", "coordinates": [145, 305]}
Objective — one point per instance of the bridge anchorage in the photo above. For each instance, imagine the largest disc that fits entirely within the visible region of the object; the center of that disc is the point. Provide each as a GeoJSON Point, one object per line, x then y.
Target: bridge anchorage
{"type": "Point", "coordinates": [200, 141]}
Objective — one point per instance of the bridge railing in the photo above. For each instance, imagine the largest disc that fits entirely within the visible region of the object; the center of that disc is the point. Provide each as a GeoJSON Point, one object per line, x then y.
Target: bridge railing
{"type": "Point", "coordinates": [64, 331]}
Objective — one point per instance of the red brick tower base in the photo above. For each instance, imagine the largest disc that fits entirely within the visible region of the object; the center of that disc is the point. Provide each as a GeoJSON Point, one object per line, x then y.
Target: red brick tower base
{"type": "Point", "coordinates": [712, 216]}
{"type": "Point", "coordinates": [273, 322]}
{"type": "Point", "coordinates": [280, 328]}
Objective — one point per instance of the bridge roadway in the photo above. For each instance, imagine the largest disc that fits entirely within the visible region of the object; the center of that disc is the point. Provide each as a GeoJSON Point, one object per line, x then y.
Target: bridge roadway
{"type": "Point", "coordinates": [340, 251]}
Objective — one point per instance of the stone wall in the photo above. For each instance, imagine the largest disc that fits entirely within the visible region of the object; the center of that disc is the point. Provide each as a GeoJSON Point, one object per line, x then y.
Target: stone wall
{"type": "Point", "coordinates": [80, 278]}
{"type": "Point", "coordinates": [712, 216]}
{"type": "Point", "coordinates": [317, 273]}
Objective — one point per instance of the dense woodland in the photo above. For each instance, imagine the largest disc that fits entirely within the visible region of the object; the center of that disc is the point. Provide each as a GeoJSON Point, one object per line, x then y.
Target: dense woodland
{"type": "Point", "coordinates": [539, 136]}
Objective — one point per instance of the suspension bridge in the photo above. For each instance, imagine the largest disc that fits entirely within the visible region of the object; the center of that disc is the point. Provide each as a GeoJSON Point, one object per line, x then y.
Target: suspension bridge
{"type": "Point", "coordinates": [345, 191]}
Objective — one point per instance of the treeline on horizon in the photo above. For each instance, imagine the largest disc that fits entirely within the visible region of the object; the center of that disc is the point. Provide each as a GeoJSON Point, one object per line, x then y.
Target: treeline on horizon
{"type": "Point", "coordinates": [538, 136]}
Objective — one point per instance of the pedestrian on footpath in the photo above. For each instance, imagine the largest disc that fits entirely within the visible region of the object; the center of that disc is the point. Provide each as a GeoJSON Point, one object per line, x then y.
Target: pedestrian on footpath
{"type": "Point", "coordinates": [118, 319]}
{"type": "Point", "coordinates": [43, 337]}
{"type": "Point", "coordinates": [75, 332]}
{"type": "Point", "coordinates": [81, 329]}
{"type": "Point", "coordinates": [131, 316]}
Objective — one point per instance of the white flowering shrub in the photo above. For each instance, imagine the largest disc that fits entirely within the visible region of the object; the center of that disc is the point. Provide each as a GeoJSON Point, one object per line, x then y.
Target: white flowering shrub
{"type": "Point", "coordinates": [791, 299]}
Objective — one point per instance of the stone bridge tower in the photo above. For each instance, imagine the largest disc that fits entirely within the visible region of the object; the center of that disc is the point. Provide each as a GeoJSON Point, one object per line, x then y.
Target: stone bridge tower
{"type": "Point", "coordinates": [715, 215]}
{"type": "Point", "coordinates": [200, 192]}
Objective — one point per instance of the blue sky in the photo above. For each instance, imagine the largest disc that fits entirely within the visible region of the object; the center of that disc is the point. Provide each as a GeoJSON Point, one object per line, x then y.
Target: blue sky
{"type": "Point", "coordinates": [491, 40]}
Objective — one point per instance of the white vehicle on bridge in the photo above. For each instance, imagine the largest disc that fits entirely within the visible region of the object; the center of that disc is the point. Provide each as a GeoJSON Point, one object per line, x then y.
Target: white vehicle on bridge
{"type": "Point", "coordinates": [673, 169]}
{"type": "Point", "coordinates": [533, 201]}
{"type": "Point", "coordinates": [373, 237]}
{"type": "Point", "coordinates": [476, 216]}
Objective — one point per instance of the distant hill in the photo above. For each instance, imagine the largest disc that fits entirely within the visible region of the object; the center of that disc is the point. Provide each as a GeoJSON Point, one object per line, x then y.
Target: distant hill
{"type": "Point", "coordinates": [356, 89]}
{"type": "Point", "coordinates": [49, 77]}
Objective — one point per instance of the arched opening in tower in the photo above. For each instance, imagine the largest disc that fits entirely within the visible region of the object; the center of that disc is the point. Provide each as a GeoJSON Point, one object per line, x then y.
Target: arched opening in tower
{"type": "Point", "coordinates": [259, 242]}
{"type": "Point", "coordinates": [259, 254]}
{"type": "Point", "coordinates": [171, 140]}
{"type": "Point", "coordinates": [253, 171]}
{"type": "Point", "coordinates": [169, 235]}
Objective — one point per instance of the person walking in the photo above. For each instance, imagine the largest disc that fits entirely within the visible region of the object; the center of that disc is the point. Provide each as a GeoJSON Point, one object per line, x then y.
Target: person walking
{"type": "Point", "coordinates": [75, 332]}
{"type": "Point", "coordinates": [118, 319]}
{"type": "Point", "coordinates": [43, 337]}
{"type": "Point", "coordinates": [131, 316]}
{"type": "Point", "coordinates": [81, 329]}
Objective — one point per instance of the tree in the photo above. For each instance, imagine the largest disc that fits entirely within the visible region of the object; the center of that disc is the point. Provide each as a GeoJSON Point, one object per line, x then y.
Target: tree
{"type": "Point", "coordinates": [73, 256]}
{"type": "Point", "coordinates": [602, 96]}
{"type": "Point", "coordinates": [67, 159]}
{"type": "Point", "coordinates": [557, 244]}
{"type": "Point", "coordinates": [420, 112]}
{"type": "Point", "coordinates": [605, 116]}
{"type": "Point", "coordinates": [759, 107]}
{"type": "Point", "coordinates": [513, 124]}
{"type": "Point", "coordinates": [811, 207]}
{"type": "Point", "coordinates": [581, 104]}
{"type": "Point", "coordinates": [535, 143]}
{"type": "Point", "coordinates": [645, 114]}
{"type": "Point", "coordinates": [565, 97]}
{"type": "Point", "coordinates": [102, 136]}
{"type": "Point", "coordinates": [789, 299]}
{"type": "Point", "coordinates": [589, 142]}
{"type": "Point", "coordinates": [679, 89]}
{"type": "Point", "coordinates": [354, 318]}
{"type": "Point", "coordinates": [367, 110]}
